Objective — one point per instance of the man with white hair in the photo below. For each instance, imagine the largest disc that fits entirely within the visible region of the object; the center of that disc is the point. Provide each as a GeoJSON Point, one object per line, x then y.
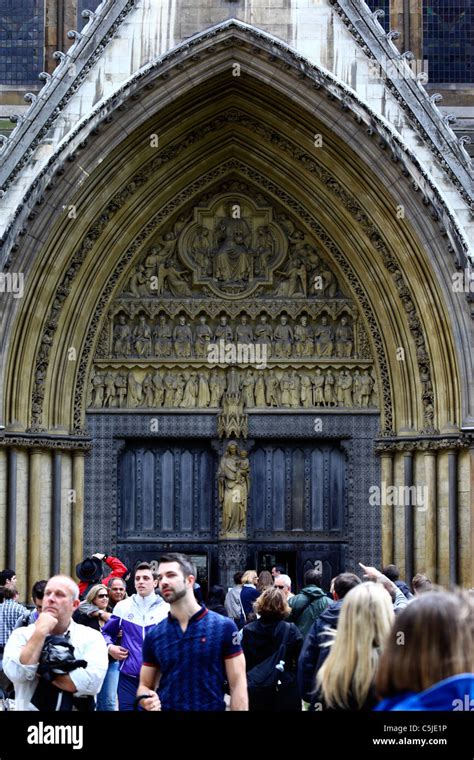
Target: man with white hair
{"type": "Point", "coordinates": [283, 582]}
{"type": "Point", "coordinates": [83, 668]}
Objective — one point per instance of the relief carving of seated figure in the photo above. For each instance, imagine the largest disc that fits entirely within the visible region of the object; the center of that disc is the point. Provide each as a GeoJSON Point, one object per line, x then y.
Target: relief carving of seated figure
{"type": "Point", "coordinates": [233, 257]}
{"type": "Point", "coordinates": [303, 338]}
{"type": "Point", "coordinates": [182, 338]}
{"type": "Point", "coordinates": [162, 337]}
{"type": "Point", "coordinates": [244, 332]}
{"type": "Point", "coordinates": [202, 337]}
{"type": "Point", "coordinates": [142, 338]}
{"type": "Point", "coordinates": [264, 334]}
{"type": "Point", "coordinates": [324, 338]}
{"type": "Point", "coordinates": [223, 331]}
{"type": "Point", "coordinates": [283, 338]}
{"type": "Point", "coordinates": [344, 339]}
{"type": "Point", "coordinates": [122, 337]}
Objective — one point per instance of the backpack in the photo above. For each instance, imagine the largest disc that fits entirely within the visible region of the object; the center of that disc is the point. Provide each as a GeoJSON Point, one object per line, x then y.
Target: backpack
{"type": "Point", "coordinates": [269, 681]}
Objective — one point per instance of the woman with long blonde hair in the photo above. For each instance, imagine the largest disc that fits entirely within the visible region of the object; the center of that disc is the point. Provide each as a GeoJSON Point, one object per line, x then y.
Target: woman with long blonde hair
{"type": "Point", "coordinates": [346, 679]}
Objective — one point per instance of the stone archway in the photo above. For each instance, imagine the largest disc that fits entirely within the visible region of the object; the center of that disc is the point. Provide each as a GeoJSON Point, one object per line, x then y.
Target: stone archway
{"type": "Point", "coordinates": [262, 129]}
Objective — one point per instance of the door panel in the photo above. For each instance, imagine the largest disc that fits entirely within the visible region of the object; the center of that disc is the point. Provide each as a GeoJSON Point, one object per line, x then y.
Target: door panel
{"type": "Point", "coordinates": [297, 488]}
{"type": "Point", "coordinates": [166, 490]}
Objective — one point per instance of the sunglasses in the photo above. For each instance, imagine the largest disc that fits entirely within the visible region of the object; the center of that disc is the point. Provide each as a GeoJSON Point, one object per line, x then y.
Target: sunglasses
{"type": "Point", "coordinates": [102, 596]}
{"type": "Point", "coordinates": [280, 587]}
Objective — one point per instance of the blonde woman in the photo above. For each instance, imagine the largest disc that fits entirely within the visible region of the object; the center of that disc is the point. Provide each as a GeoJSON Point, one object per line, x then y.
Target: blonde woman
{"type": "Point", "coordinates": [249, 593]}
{"type": "Point", "coordinates": [93, 610]}
{"type": "Point", "coordinates": [346, 679]}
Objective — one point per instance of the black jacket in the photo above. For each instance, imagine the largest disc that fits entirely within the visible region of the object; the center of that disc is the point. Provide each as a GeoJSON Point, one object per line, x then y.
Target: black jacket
{"type": "Point", "coordinates": [258, 644]}
{"type": "Point", "coordinates": [310, 654]}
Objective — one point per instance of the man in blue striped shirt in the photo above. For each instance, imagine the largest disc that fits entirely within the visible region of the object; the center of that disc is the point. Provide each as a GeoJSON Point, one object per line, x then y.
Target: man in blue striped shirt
{"type": "Point", "coordinates": [192, 653]}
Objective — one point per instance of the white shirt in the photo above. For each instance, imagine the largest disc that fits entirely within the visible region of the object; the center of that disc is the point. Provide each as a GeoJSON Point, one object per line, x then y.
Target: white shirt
{"type": "Point", "coordinates": [88, 645]}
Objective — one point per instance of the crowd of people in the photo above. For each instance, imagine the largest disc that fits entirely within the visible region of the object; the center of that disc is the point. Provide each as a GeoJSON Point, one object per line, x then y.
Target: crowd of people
{"type": "Point", "coordinates": [369, 643]}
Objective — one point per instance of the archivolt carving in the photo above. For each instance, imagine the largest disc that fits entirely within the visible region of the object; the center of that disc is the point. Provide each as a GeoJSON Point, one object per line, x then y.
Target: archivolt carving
{"type": "Point", "coordinates": [140, 179]}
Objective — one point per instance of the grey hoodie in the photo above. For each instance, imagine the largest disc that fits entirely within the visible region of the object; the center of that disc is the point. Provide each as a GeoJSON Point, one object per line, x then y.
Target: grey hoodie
{"type": "Point", "coordinates": [232, 602]}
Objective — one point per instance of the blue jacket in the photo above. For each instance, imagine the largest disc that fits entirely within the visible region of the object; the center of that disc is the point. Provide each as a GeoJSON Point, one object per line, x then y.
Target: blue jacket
{"type": "Point", "coordinates": [134, 617]}
{"type": "Point", "coordinates": [452, 694]}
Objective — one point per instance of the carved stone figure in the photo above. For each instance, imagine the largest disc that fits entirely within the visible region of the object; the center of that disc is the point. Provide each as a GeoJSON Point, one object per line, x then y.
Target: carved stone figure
{"type": "Point", "coordinates": [329, 397]}
{"type": "Point", "coordinates": [294, 389]}
{"type": "Point", "coordinates": [217, 385]}
{"type": "Point", "coordinates": [170, 387]}
{"type": "Point", "coordinates": [366, 386]}
{"type": "Point", "coordinates": [179, 385]}
{"type": "Point", "coordinates": [138, 283]}
{"type": "Point", "coordinates": [340, 389]}
{"type": "Point", "coordinates": [233, 238]}
{"type": "Point", "coordinates": [303, 338]}
{"type": "Point", "coordinates": [243, 331]}
{"type": "Point", "coordinates": [158, 389]}
{"type": "Point", "coordinates": [271, 383]}
{"type": "Point", "coordinates": [295, 280]}
{"type": "Point", "coordinates": [356, 388]}
{"type": "Point", "coordinates": [173, 279]}
{"type": "Point", "coordinates": [347, 388]}
{"type": "Point", "coordinates": [142, 337]}
{"type": "Point", "coordinates": [121, 390]}
{"type": "Point", "coordinates": [318, 388]}
{"type": "Point", "coordinates": [233, 482]}
{"type": "Point", "coordinates": [283, 338]}
{"type": "Point", "coordinates": [306, 392]}
{"type": "Point", "coordinates": [204, 395]}
{"type": "Point", "coordinates": [98, 390]}
{"type": "Point", "coordinates": [265, 250]}
{"type": "Point", "coordinates": [233, 382]}
{"type": "Point", "coordinates": [344, 339]}
{"type": "Point", "coordinates": [324, 338]}
{"type": "Point", "coordinates": [260, 391]}
{"type": "Point", "coordinates": [223, 331]}
{"type": "Point", "coordinates": [122, 337]}
{"type": "Point", "coordinates": [263, 334]}
{"type": "Point", "coordinates": [248, 389]}
{"type": "Point", "coordinates": [182, 338]}
{"type": "Point", "coordinates": [329, 281]}
{"type": "Point", "coordinates": [134, 391]}
{"type": "Point", "coordinates": [201, 248]}
{"type": "Point", "coordinates": [190, 392]}
{"type": "Point", "coordinates": [147, 387]}
{"type": "Point", "coordinates": [162, 337]}
{"type": "Point", "coordinates": [202, 337]}
{"type": "Point", "coordinates": [109, 382]}
{"type": "Point", "coordinates": [285, 388]}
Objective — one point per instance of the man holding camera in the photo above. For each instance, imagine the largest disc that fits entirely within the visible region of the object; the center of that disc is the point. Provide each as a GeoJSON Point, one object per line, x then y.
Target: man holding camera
{"type": "Point", "coordinates": [56, 664]}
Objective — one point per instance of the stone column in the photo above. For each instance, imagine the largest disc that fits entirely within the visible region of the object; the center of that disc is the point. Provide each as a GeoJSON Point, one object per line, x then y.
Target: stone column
{"type": "Point", "coordinates": [56, 512]}
{"type": "Point", "coordinates": [453, 516]}
{"type": "Point", "coordinates": [46, 499]}
{"type": "Point", "coordinates": [386, 467]}
{"type": "Point", "coordinates": [35, 545]}
{"type": "Point", "coordinates": [77, 509]}
{"type": "Point", "coordinates": [471, 489]}
{"type": "Point", "coordinates": [67, 496]}
{"type": "Point", "coordinates": [11, 508]}
{"type": "Point", "coordinates": [3, 506]}
{"type": "Point", "coordinates": [409, 517]}
{"type": "Point", "coordinates": [22, 527]}
{"type": "Point", "coordinates": [431, 521]}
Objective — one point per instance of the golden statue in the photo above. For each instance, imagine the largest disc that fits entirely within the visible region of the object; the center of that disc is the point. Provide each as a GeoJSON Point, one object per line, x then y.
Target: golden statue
{"type": "Point", "coordinates": [234, 483]}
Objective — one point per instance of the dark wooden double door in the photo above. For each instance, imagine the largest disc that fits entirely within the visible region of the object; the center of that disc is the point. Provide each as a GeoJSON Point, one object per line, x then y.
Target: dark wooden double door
{"type": "Point", "coordinates": [297, 503]}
